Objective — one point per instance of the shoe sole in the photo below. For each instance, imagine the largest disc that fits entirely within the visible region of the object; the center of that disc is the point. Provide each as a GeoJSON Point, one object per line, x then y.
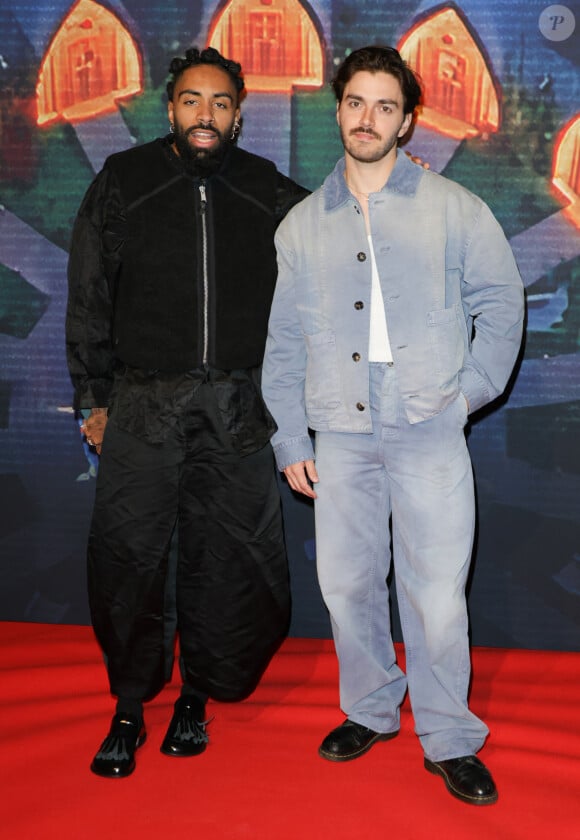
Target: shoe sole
{"type": "Point", "coordinates": [175, 754]}
{"type": "Point", "coordinates": [471, 800]}
{"type": "Point", "coordinates": [387, 736]}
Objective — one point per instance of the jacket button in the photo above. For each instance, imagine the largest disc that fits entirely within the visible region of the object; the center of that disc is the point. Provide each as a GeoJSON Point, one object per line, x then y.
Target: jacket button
{"type": "Point", "coordinates": [361, 256]}
{"type": "Point", "coordinates": [360, 406]}
{"type": "Point", "coordinates": [356, 357]}
{"type": "Point", "coordinates": [359, 304]}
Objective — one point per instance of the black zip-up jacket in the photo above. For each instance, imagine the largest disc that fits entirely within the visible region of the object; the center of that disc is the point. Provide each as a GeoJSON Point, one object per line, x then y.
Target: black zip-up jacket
{"type": "Point", "coordinates": [169, 273]}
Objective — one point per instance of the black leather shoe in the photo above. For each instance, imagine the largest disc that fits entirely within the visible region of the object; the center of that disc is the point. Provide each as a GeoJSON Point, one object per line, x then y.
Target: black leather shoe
{"type": "Point", "coordinates": [349, 740]}
{"type": "Point", "coordinates": [186, 733]}
{"type": "Point", "coordinates": [467, 778]}
{"type": "Point", "coordinates": [116, 756]}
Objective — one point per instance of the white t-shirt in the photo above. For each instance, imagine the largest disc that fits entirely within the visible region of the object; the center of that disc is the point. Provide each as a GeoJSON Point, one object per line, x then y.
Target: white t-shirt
{"type": "Point", "coordinates": [379, 344]}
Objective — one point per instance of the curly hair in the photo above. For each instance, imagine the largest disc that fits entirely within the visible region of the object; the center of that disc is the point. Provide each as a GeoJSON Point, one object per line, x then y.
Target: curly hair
{"type": "Point", "coordinates": [193, 57]}
{"type": "Point", "coordinates": [377, 59]}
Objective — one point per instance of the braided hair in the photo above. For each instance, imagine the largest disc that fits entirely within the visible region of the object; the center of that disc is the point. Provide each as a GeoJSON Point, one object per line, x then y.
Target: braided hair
{"type": "Point", "coordinates": [193, 57]}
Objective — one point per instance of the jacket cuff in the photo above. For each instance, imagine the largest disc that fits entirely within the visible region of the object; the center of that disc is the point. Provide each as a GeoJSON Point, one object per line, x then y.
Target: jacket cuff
{"type": "Point", "coordinates": [475, 389]}
{"type": "Point", "coordinates": [95, 394]}
{"type": "Point", "coordinates": [293, 451]}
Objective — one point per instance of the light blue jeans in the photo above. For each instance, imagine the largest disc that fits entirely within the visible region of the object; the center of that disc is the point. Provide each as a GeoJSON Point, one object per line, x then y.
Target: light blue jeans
{"type": "Point", "coordinates": [421, 475]}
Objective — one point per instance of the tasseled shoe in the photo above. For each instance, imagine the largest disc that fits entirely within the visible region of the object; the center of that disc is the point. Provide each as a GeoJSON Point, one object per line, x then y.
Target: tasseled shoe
{"type": "Point", "coordinates": [116, 756]}
{"type": "Point", "coordinates": [186, 733]}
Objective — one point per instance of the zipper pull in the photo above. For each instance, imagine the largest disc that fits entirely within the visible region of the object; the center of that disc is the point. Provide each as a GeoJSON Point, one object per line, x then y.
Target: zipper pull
{"type": "Point", "coordinates": [203, 196]}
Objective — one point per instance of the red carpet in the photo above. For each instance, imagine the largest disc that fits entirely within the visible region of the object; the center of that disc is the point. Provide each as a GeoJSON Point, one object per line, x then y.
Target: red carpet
{"type": "Point", "coordinates": [261, 777]}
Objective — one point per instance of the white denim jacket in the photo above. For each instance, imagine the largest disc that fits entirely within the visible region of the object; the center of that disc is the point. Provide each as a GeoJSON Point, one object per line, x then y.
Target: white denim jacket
{"type": "Point", "coordinates": [453, 297]}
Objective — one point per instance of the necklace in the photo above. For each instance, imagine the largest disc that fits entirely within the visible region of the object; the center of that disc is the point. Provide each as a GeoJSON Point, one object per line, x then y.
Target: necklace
{"type": "Point", "coordinates": [359, 193]}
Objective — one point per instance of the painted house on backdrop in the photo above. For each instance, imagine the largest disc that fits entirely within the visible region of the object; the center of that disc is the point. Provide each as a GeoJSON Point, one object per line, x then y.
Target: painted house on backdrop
{"type": "Point", "coordinates": [279, 43]}
{"type": "Point", "coordinates": [461, 85]}
{"type": "Point", "coordinates": [91, 63]}
{"type": "Point", "coordinates": [86, 56]}
{"type": "Point", "coordinates": [466, 52]}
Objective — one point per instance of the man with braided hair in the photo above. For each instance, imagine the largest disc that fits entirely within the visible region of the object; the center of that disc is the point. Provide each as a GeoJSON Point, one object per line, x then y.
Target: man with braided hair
{"type": "Point", "coordinates": [171, 275]}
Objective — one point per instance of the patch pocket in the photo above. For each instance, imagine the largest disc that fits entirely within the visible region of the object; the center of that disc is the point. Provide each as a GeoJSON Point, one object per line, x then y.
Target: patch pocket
{"type": "Point", "coordinates": [322, 378]}
{"type": "Point", "coordinates": [446, 338]}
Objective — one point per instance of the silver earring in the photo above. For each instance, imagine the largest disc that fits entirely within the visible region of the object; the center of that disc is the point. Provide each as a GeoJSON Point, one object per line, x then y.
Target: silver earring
{"type": "Point", "coordinates": [171, 128]}
{"type": "Point", "coordinates": [235, 130]}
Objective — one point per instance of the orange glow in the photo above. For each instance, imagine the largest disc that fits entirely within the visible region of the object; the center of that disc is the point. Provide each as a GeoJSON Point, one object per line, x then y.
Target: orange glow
{"type": "Point", "coordinates": [461, 99]}
{"type": "Point", "coordinates": [91, 63]}
{"type": "Point", "coordinates": [276, 43]}
{"type": "Point", "coordinates": [566, 168]}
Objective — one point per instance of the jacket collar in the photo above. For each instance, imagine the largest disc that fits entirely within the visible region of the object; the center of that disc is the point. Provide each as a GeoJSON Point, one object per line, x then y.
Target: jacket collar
{"type": "Point", "coordinates": [403, 179]}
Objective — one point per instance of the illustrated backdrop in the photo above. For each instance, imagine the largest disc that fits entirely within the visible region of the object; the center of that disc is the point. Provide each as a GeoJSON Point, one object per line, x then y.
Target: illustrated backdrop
{"type": "Point", "coordinates": [501, 116]}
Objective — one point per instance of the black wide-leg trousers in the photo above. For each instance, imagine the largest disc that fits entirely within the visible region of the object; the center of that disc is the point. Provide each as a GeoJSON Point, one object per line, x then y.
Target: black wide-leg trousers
{"type": "Point", "coordinates": [232, 587]}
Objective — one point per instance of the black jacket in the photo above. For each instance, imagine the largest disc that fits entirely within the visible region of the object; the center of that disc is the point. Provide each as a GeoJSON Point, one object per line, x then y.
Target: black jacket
{"type": "Point", "coordinates": [169, 273]}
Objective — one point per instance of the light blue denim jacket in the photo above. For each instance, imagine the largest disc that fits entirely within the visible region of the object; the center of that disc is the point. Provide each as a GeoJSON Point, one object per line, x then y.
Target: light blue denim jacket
{"type": "Point", "coordinates": [453, 298]}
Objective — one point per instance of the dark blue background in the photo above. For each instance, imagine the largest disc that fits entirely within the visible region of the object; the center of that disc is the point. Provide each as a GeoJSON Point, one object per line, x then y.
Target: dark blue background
{"type": "Point", "coordinates": [525, 586]}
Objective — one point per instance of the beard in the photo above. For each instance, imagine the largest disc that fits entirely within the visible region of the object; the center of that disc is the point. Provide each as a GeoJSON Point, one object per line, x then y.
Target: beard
{"type": "Point", "coordinates": [364, 155]}
{"type": "Point", "coordinates": [200, 162]}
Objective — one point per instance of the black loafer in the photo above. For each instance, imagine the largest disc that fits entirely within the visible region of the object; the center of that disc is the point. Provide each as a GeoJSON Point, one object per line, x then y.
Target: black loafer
{"type": "Point", "coordinates": [467, 778]}
{"type": "Point", "coordinates": [349, 740]}
{"type": "Point", "coordinates": [186, 733]}
{"type": "Point", "coordinates": [116, 756]}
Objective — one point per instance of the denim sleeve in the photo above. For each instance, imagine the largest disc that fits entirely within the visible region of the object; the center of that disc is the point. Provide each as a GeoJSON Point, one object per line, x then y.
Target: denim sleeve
{"type": "Point", "coordinates": [493, 303]}
{"type": "Point", "coordinates": [284, 368]}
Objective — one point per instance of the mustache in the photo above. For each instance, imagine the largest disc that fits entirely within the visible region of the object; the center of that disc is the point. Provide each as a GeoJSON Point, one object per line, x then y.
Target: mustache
{"type": "Point", "coordinates": [362, 130]}
{"type": "Point", "coordinates": [202, 127]}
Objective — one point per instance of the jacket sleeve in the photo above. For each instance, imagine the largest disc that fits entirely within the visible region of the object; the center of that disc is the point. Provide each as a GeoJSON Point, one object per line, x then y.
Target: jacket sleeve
{"type": "Point", "coordinates": [284, 368]}
{"type": "Point", "coordinates": [93, 260]}
{"type": "Point", "coordinates": [493, 304]}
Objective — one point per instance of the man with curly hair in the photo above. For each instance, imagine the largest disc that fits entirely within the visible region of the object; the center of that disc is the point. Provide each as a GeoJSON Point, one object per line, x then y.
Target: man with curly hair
{"type": "Point", "coordinates": [171, 275]}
